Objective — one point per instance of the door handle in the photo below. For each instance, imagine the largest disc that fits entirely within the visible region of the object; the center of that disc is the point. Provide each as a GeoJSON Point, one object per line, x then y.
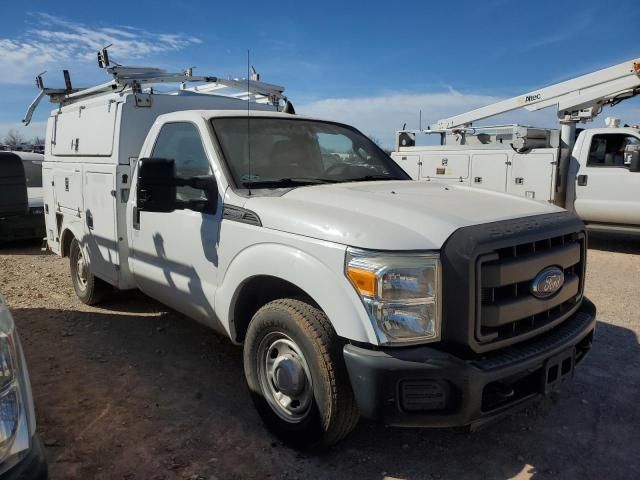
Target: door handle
{"type": "Point", "coordinates": [89, 220]}
{"type": "Point", "coordinates": [136, 218]}
{"type": "Point", "coordinates": [582, 180]}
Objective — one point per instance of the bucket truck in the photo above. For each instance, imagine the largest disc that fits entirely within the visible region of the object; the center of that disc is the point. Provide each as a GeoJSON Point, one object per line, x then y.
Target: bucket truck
{"type": "Point", "coordinates": [594, 172]}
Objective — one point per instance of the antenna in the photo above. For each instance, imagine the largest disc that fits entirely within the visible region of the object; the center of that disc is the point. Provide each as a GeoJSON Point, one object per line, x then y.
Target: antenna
{"type": "Point", "coordinates": [249, 116]}
{"type": "Point", "coordinates": [420, 120]}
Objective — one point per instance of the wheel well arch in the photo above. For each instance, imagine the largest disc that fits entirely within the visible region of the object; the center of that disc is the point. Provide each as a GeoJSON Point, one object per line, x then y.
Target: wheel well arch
{"type": "Point", "coordinates": [65, 242]}
{"type": "Point", "coordinates": [256, 292]}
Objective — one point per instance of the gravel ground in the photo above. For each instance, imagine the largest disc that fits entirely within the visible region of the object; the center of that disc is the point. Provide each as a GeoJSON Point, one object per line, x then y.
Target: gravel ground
{"type": "Point", "coordinates": [133, 390]}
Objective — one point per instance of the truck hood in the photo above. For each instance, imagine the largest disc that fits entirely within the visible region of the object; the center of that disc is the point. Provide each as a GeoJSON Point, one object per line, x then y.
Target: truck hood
{"type": "Point", "coordinates": [388, 215]}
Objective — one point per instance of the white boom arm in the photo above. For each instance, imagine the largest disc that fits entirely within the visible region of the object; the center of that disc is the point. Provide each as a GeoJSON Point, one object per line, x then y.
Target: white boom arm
{"type": "Point", "coordinates": [578, 99]}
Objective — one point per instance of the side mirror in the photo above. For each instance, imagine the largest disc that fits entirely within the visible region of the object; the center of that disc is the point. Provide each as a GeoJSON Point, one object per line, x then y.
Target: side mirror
{"type": "Point", "coordinates": [633, 158]}
{"type": "Point", "coordinates": [157, 188]}
{"type": "Point", "coordinates": [156, 191]}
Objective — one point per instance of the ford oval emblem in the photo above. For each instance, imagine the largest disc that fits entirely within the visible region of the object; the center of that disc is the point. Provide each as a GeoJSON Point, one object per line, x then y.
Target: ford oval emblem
{"type": "Point", "coordinates": [547, 282]}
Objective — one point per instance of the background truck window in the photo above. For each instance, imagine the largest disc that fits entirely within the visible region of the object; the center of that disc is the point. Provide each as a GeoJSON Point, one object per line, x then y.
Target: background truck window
{"type": "Point", "coordinates": [607, 150]}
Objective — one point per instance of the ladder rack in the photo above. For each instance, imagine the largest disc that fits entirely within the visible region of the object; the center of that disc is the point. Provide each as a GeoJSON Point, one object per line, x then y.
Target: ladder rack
{"type": "Point", "coordinates": [135, 79]}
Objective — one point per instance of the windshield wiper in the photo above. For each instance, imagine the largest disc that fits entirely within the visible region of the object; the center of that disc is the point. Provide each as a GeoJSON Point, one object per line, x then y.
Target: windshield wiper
{"type": "Point", "coordinates": [367, 178]}
{"type": "Point", "coordinates": [286, 182]}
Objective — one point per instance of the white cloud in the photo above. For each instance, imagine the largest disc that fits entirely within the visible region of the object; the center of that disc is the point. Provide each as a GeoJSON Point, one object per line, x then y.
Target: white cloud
{"type": "Point", "coordinates": [53, 42]}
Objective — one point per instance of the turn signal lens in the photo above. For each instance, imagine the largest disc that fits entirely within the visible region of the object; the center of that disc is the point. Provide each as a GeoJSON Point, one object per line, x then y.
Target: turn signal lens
{"type": "Point", "coordinates": [363, 280]}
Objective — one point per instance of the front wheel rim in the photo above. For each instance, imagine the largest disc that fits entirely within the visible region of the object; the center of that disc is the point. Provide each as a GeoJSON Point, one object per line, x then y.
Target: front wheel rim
{"type": "Point", "coordinates": [81, 270]}
{"type": "Point", "coordinates": [284, 377]}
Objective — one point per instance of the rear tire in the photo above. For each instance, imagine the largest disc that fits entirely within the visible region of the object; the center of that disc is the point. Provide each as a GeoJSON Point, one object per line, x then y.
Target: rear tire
{"type": "Point", "coordinates": [296, 374]}
{"type": "Point", "coordinates": [89, 289]}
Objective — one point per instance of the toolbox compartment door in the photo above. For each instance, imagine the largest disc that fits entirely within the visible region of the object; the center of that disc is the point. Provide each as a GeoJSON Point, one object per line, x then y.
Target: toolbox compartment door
{"type": "Point", "coordinates": [85, 129]}
{"type": "Point", "coordinates": [100, 225]}
{"type": "Point", "coordinates": [444, 166]}
{"type": "Point", "coordinates": [409, 163]}
{"type": "Point", "coordinates": [489, 171]}
{"type": "Point", "coordinates": [67, 181]}
{"type": "Point", "coordinates": [533, 175]}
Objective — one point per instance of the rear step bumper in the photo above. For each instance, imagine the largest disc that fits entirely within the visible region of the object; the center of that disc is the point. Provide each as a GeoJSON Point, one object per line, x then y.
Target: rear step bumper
{"type": "Point", "coordinates": [422, 386]}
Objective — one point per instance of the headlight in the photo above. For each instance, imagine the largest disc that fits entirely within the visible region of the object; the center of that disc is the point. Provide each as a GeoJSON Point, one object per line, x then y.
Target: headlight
{"type": "Point", "coordinates": [9, 413]}
{"type": "Point", "coordinates": [17, 424]}
{"type": "Point", "coordinates": [401, 293]}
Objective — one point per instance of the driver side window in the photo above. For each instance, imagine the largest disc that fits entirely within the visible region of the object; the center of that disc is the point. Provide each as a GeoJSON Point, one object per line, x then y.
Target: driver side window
{"type": "Point", "coordinates": [608, 150]}
{"type": "Point", "coordinates": [181, 142]}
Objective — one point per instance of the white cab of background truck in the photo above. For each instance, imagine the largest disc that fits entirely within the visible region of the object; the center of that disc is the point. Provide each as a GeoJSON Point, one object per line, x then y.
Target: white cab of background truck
{"type": "Point", "coordinates": [354, 290]}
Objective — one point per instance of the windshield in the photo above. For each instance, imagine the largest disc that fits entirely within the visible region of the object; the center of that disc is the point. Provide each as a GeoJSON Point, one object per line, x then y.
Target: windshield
{"type": "Point", "coordinates": [288, 152]}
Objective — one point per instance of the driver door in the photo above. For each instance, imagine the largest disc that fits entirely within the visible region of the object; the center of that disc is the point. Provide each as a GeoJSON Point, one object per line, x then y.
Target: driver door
{"type": "Point", "coordinates": [174, 256]}
{"type": "Point", "coordinates": [606, 190]}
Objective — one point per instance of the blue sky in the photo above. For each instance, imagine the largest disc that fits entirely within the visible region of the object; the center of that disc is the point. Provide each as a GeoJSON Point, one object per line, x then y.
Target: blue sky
{"type": "Point", "coordinates": [372, 64]}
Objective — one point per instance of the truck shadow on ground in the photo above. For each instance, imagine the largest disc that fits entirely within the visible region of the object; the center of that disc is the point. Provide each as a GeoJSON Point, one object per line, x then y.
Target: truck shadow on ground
{"type": "Point", "coordinates": [155, 395]}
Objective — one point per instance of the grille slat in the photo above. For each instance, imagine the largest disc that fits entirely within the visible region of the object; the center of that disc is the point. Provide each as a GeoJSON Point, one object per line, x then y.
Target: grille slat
{"type": "Point", "coordinates": [519, 307]}
{"type": "Point", "coordinates": [525, 267]}
{"type": "Point", "coordinates": [507, 308]}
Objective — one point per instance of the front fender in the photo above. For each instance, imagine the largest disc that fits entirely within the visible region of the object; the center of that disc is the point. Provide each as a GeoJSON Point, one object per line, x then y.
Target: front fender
{"type": "Point", "coordinates": [317, 270]}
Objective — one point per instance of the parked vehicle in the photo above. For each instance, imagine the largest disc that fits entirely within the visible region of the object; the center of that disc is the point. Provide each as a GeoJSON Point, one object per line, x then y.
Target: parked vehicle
{"type": "Point", "coordinates": [21, 205]}
{"type": "Point", "coordinates": [353, 290]}
{"type": "Point", "coordinates": [594, 174]}
{"type": "Point", "coordinates": [21, 451]}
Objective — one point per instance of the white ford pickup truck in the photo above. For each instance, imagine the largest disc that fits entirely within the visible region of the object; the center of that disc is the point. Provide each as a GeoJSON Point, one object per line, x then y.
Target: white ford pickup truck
{"type": "Point", "coordinates": [354, 290]}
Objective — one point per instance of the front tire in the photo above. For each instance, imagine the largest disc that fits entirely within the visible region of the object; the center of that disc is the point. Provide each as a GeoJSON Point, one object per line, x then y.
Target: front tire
{"type": "Point", "coordinates": [295, 370]}
{"type": "Point", "coordinates": [89, 289]}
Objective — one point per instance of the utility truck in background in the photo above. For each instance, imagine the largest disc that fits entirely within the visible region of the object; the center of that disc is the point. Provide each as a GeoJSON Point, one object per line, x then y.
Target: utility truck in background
{"type": "Point", "coordinates": [594, 173]}
{"type": "Point", "coordinates": [21, 206]}
{"type": "Point", "coordinates": [353, 290]}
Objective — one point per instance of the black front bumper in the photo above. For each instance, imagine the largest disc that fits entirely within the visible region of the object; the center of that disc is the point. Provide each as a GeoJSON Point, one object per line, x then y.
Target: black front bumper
{"type": "Point", "coordinates": [33, 466]}
{"type": "Point", "coordinates": [423, 386]}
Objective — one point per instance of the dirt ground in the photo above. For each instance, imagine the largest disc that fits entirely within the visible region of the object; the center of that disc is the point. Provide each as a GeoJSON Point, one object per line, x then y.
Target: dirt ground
{"type": "Point", "coordinates": [133, 390]}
